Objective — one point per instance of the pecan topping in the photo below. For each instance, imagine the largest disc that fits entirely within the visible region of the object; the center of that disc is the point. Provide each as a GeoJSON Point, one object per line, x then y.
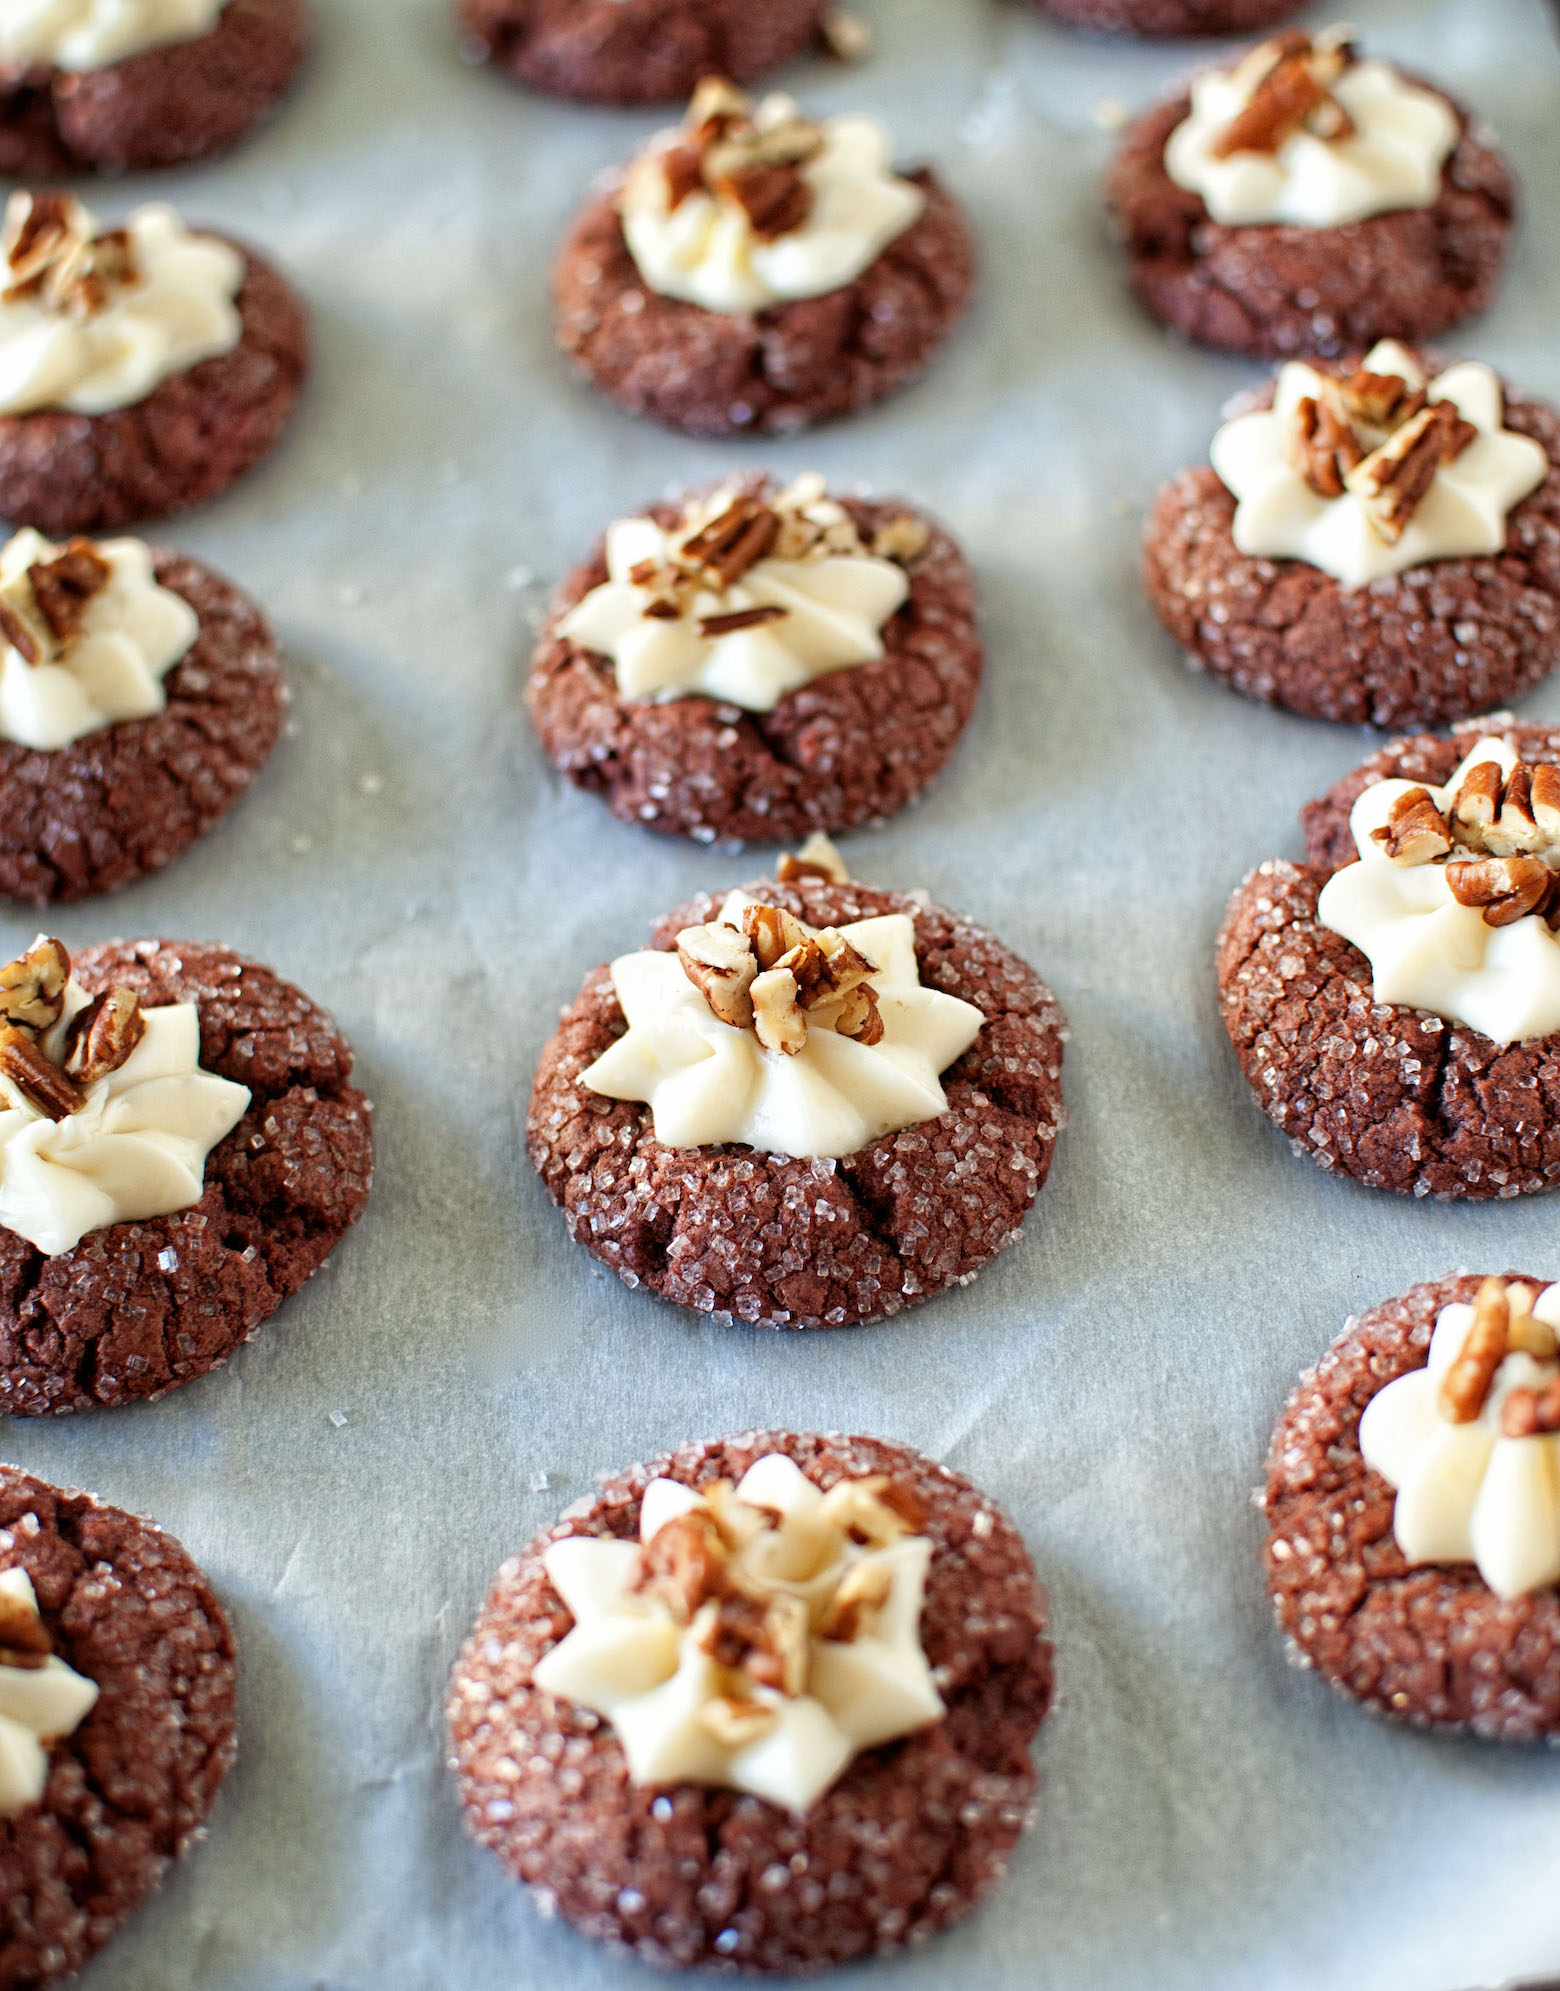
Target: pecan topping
{"type": "Point", "coordinates": [1532, 1413]}
{"type": "Point", "coordinates": [100, 1038]}
{"type": "Point", "coordinates": [874, 1511]}
{"type": "Point", "coordinates": [1505, 889]}
{"type": "Point", "coordinates": [817, 858]}
{"type": "Point", "coordinates": [1415, 832]}
{"type": "Point", "coordinates": [32, 988]}
{"type": "Point", "coordinates": [37, 1078]}
{"type": "Point", "coordinates": [734, 1721]}
{"type": "Point", "coordinates": [1466, 1384]}
{"type": "Point", "coordinates": [24, 1638]}
{"type": "Point", "coordinates": [734, 540]}
{"type": "Point", "coordinates": [902, 539]}
{"type": "Point", "coordinates": [765, 1639]}
{"type": "Point", "coordinates": [1515, 815]}
{"type": "Point", "coordinates": [1288, 83]}
{"type": "Point", "coordinates": [859, 1017]}
{"type": "Point", "coordinates": [62, 587]}
{"type": "Point", "coordinates": [862, 1589]}
{"type": "Point", "coordinates": [773, 932]}
{"type": "Point", "coordinates": [1376, 404]}
{"type": "Point", "coordinates": [1323, 446]}
{"type": "Point", "coordinates": [741, 618]}
{"type": "Point", "coordinates": [728, 153]}
{"type": "Point", "coordinates": [56, 263]}
{"type": "Point", "coordinates": [777, 1015]}
{"type": "Point", "coordinates": [775, 199]}
{"type": "Point", "coordinates": [683, 1564]}
{"type": "Point", "coordinates": [1392, 481]}
{"type": "Point", "coordinates": [721, 965]}
{"type": "Point", "coordinates": [1526, 1334]}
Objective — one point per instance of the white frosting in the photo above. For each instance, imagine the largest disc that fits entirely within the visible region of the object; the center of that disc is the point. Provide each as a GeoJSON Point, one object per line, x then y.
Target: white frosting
{"type": "Point", "coordinates": [1465, 1492]}
{"type": "Point", "coordinates": [705, 251]}
{"type": "Point", "coordinates": [629, 1659]}
{"type": "Point", "coordinates": [706, 1081]}
{"type": "Point", "coordinates": [132, 634]}
{"type": "Point", "coordinates": [835, 609]}
{"type": "Point", "coordinates": [1426, 950]}
{"type": "Point", "coordinates": [90, 34]}
{"type": "Point", "coordinates": [1402, 139]}
{"type": "Point", "coordinates": [1463, 514]}
{"type": "Point", "coordinates": [180, 310]}
{"type": "Point", "coordinates": [136, 1149]}
{"type": "Point", "coordinates": [37, 1705]}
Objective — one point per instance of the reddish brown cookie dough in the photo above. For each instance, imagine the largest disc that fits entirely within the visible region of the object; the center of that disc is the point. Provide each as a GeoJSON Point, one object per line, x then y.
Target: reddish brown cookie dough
{"type": "Point", "coordinates": [848, 748]}
{"type": "Point", "coordinates": [1421, 649]}
{"type": "Point", "coordinates": [1431, 1645]}
{"type": "Point", "coordinates": [719, 373]}
{"type": "Point", "coordinates": [124, 801]}
{"type": "Point", "coordinates": [192, 437]}
{"type": "Point", "coordinates": [780, 1242]}
{"type": "Point", "coordinates": [1169, 19]}
{"type": "Point", "coordinates": [636, 51]}
{"type": "Point", "coordinates": [1396, 1097]}
{"type": "Point", "coordinates": [137, 1309]}
{"type": "Point", "coordinates": [909, 1839]}
{"type": "Point", "coordinates": [1281, 290]}
{"type": "Point", "coordinates": [163, 107]}
{"type": "Point", "coordinates": [129, 1791]}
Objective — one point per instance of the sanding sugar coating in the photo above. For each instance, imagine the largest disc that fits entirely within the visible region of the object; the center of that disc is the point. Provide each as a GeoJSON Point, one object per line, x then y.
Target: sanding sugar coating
{"type": "Point", "coordinates": [1279, 291]}
{"type": "Point", "coordinates": [775, 1242]}
{"type": "Point", "coordinates": [128, 1792]}
{"type": "Point", "coordinates": [1169, 18]}
{"type": "Point", "coordinates": [911, 1836]}
{"type": "Point", "coordinates": [136, 1310]}
{"type": "Point", "coordinates": [1395, 1097]}
{"type": "Point", "coordinates": [1422, 649]}
{"type": "Point", "coordinates": [1432, 1645]}
{"type": "Point", "coordinates": [851, 747]}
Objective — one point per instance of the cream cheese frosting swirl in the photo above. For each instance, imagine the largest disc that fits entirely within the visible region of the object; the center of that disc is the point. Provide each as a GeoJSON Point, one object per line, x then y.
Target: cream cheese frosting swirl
{"type": "Point", "coordinates": [81, 35]}
{"type": "Point", "coordinates": [1494, 966]}
{"type": "Point", "coordinates": [741, 208]}
{"type": "Point", "coordinates": [679, 621]}
{"type": "Point", "coordinates": [1373, 142]}
{"type": "Point", "coordinates": [1334, 520]}
{"type": "Point", "coordinates": [814, 1092]}
{"type": "Point", "coordinates": [41, 1698]}
{"type": "Point", "coordinates": [93, 320]}
{"type": "Point", "coordinates": [103, 658]}
{"type": "Point", "coordinates": [757, 1637]}
{"type": "Point", "coordinates": [1481, 1487]}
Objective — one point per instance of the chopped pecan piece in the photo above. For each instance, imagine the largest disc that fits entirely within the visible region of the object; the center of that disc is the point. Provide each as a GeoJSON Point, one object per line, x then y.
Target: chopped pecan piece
{"type": "Point", "coordinates": [55, 263]}
{"type": "Point", "coordinates": [37, 1078]}
{"type": "Point", "coordinates": [720, 964]}
{"type": "Point", "coordinates": [21, 623]}
{"type": "Point", "coordinates": [777, 1015]}
{"type": "Point", "coordinates": [683, 1564]}
{"type": "Point", "coordinates": [32, 988]}
{"type": "Point", "coordinates": [683, 165]}
{"type": "Point", "coordinates": [873, 1511]}
{"type": "Point", "coordinates": [1466, 1384]}
{"type": "Point", "coordinates": [1526, 1334]}
{"type": "Point", "coordinates": [805, 962]}
{"type": "Point", "coordinates": [764, 1638]}
{"type": "Point", "coordinates": [734, 1721]}
{"type": "Point", "coordinates": [775, 199]}
{"type": "Point", "coordinates": [1477, 801]}
{"type": "Point", "coordinates": [1288, 83]}
{"type": "Point", "coordinates": [100, 1038]}
{"type": "Point", "coordinates": [773, 932]}
{"type": "Point", "coordinates": [859, 1016]}
{"type": "Point", "coordinates": [1531, 1413]}
{"type": "Point", "coordinates": [844, 36]}
{"type": "Point", "coordinates": [24, 1638]}
{"type": "Point", "coordinates": [731, 542]}
{"type": "Point", "coordinates": [817, 858]}
{"type": "Point", "coordinates": [1322, 445]}
{"type": "Point", "coordinates": [1415, 831]}
{"type": "Point", "coordinates": [63, 586]}
{"type": "Point", "coordinates": [715, 103]}
{"type": "Point", "coordinates": [742, 618]}
{"type": "Point", "coordinates": [903, 539]}
{"type": "Point", "coordinates": [1392, 481]}
{"type": "Point", "coordinates": [1505, 889]}
{"type": "Point", "coordinates": [738, 1520]}
{"type": "Point", "coordinates": [845, 966]}
{"type": "Point", "coordinates": [1379, 402]}
{"type": "Point", "coordinates": [862, 1589]}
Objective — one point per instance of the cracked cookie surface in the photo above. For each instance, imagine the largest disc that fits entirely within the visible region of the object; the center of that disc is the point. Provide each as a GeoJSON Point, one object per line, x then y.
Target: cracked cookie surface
{"type": "Point", "coordinates": [192, 437]}
{"type": "Point", "coordinates": [850, 747]}
{"type": "Point", "coordinates": [129, 1790]}
{"type": "Point", "coordinates": [1398, 1098]}
{"type": "Point", "coordinates": [163, 107]}
{"type": "Point", "coordinates": [771, 372]}
{"type": "Point", "coordinates": [1281, 291]}
{"type": "Point", "coordinates": [1422, 648]}
{"type": "Point", "coordinates": [637, 51]}
{"type": "Point", "coordinates": [908, 1840]}
{"type": "Point", "coordinates": [1433, 1644]}
{"type": "Point", "coordinates": [775, 1241]}
{"type": "Point", "coordinates": [127, 799]}
{"type": "Point", "coordinates": [135, 1310]}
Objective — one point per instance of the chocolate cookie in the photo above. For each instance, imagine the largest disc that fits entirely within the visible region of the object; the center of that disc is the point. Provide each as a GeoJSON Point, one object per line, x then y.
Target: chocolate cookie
{"type": "Point", "coordinates": [192, 437]}
{"type": "Point", "coordinates": [1423, 648]}
{"type": "Point", "coordinates": [163, 107]}
{"type": "Point", "coordinates": [129, 1790]}
{"type": "Point", "coordinates": [776, 371]}
{"type": "Point", "coordinates": [1167, 19]}
{"type": "Point", "coordinates": [1277, 290]}
{"type": "Point", "coordinates": [776, 1241]}
{"type": "Point", "coordinates": [636, 51]}
{"type": "Point", "coordinates": [1396, 1097]}
{"type": "Point", "coordinates": [1431, 1645]}
{"type": "Point", "coordinates": [124, 801]}
{"type": "Point", "coordinates": [137, 1309]}
{"type": "Point", "coordinates": [850, 747]}
{"type": "Point", "coordinates": [911, 1837]}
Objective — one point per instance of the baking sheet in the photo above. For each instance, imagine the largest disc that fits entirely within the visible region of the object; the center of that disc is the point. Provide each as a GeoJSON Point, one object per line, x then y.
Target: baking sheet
{"type": "Point", "coordinates": [1209, 1819]}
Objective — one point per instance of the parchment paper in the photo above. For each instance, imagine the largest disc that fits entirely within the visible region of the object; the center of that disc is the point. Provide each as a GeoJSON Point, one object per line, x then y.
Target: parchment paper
{"type": "Point", "coordinates": [1210, 1820]}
